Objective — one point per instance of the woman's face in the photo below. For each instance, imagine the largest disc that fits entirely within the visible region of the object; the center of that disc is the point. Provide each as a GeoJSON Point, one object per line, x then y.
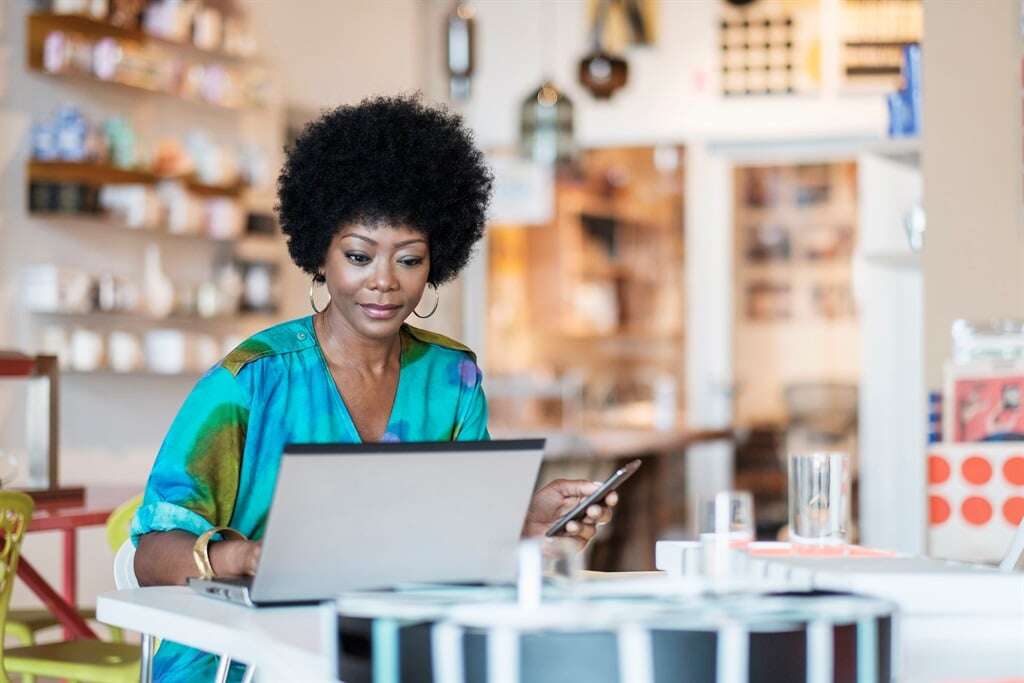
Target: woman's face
{"type": "Point", "coordinates": [376, 275]}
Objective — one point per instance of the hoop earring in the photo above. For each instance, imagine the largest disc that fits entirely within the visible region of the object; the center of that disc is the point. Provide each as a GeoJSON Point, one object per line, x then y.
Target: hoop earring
{"type": "Point", "coordinates": [318, 279]}
{"type": "Point", "coordinates": [432, 310]}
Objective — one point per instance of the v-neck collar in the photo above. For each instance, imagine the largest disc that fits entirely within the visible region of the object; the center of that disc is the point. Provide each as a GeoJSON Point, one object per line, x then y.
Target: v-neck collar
{"type": "Point", "coordinates": [339, 399]}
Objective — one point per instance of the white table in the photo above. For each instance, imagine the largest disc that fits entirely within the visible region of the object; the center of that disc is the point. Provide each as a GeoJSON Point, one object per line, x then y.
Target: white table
{"type": "Point", "coordinates": [283, 643]}
{"type": "Point", "coordinates": [956, 622]}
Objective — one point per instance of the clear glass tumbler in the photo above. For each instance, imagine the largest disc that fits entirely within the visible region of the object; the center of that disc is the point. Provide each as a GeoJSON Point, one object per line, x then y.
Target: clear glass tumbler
{"type": "Point", "coordinates": [819, 498]}
{"type": "Point", "coordinates": [727, 513]}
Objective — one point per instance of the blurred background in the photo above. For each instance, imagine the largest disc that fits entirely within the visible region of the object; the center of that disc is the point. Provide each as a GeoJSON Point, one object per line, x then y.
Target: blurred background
{"type": "Point", "coordinates": [722, 230]}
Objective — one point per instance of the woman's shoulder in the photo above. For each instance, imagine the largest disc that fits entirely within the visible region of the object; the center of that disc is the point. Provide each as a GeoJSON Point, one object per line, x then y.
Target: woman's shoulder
{"type": "Point", "coordinates": [286, 337]}
{"type": "Point", "coordinates": [433, 342]}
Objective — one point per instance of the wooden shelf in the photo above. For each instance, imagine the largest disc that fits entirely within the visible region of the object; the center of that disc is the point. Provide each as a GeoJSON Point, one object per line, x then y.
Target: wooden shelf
{"type": "Point", "coordinates": [189, 375]}
{"type": "Point", "coordinates": [41, 24]}
{"type": "Point", "coordinates": [88, 173]}
{"type": "Point", "coordinates": [96, 28]}
{"type": "Point", "coordinates": [116, 316]}
{"type": "Point", "coordinates": [101, 221]}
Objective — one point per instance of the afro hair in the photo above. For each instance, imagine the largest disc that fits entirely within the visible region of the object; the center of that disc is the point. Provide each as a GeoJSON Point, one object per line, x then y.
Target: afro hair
{"type": "Point", "coordinates": [385, 160]}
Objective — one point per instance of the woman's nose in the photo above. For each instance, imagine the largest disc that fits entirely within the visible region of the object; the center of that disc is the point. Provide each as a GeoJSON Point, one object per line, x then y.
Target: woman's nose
{"type": "Point", "coordinates": [383, 278]}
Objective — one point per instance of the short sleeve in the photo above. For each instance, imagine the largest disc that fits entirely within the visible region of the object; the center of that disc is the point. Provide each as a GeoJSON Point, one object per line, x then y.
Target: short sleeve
{"type": "Point", "coordinates": [471, 421]}
{"type": "Point", "coordinates": [194, 481]}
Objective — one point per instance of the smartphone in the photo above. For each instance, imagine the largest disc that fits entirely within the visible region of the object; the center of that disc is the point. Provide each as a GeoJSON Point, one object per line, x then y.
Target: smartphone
{"type": "Point", "coordinates": [610, 484]}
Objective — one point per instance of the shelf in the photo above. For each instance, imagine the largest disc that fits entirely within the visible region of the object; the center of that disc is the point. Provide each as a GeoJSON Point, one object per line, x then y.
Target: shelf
{"type": "Point", "coordinates": [95, 174]}
{"type": "Point", "coordinates": [190, 375]}
{"type": "Point", "coordinates": [905, 150]}
{"type": "Point", "coordinates": [40, 25]}
{"type": "Point", "coordinates": [96, 28]}
{"type": "Point", "coordinates": [622, 337]}
{"type": "Point", "coordinates": [114, 316]}
{"type": "Point", "coordinates": [898, 260]}
{"type": "Point", "coordinates": [74, 221]}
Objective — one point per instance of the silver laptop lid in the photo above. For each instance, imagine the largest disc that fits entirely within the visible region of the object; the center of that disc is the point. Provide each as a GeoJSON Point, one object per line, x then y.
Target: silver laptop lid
{"type": "Point", "coordinates": [352, 516]}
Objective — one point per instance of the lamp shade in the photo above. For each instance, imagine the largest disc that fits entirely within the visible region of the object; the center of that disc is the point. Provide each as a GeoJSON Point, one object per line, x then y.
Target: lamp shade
{"type": "Point", "coordinates": [602, 73]}
{"type": "Point", "coordinates": [546, 125]}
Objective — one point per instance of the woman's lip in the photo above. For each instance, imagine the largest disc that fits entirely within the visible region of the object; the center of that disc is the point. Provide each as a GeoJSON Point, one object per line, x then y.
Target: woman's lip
{"type": "Point", "coordinates": [379, 311]}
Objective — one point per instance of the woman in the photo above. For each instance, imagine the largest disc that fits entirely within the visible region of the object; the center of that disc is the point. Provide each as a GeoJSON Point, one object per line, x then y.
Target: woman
{"type": "Point", "coordinates": [378, 201]}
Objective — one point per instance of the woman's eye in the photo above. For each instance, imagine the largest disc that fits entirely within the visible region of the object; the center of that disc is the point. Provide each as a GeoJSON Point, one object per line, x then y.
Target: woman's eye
{"type": "Point", "coordinates": [412, 261]}
{"type": "Point", "coordinates": [357, 258]}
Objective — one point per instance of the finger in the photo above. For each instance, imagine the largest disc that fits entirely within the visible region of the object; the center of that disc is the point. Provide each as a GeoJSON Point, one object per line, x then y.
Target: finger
{"type": "Point", "coordinates": [586, 532]}
{"type": "Point", "coordinates": [612, 499]}
{"type": "Point", "coordinates": [606, 516]}
{"type": "Point", "coordinates": [573, 528]}
{"type": "Point", "coordinates": [574, 488]}
{"type": "Point", "coordinates": [594, 511]}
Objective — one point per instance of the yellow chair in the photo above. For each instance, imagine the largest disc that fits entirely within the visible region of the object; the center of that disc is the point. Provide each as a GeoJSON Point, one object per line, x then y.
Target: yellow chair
{"type": "Point", "coordinates": [76, 660]}
{"type": "Point", "coordinates": [23, 624]}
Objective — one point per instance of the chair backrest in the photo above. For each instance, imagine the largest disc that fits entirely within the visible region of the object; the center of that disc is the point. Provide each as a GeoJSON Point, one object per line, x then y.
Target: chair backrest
{"type": "Point", "coordinates": [15, 514]}
{"type": "Point", "coordinates": [119, 523]}
{"type": "Point", "coordinates": [124, 566]}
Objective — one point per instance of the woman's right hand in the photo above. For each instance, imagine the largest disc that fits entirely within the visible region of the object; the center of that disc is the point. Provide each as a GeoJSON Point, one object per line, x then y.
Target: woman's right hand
{"type": "Point", "coordinates": [234, 558]}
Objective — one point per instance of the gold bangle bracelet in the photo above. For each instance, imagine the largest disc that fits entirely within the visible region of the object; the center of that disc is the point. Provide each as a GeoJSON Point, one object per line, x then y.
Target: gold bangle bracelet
{"type": "Point", "coordinates": [201, 548]}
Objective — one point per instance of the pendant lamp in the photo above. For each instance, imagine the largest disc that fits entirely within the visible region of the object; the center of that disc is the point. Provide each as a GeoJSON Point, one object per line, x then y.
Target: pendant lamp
{"type": "Point", "coordinates": [546, 115]}
{"type": "Point", "coordinates": [459, 47]}
{"type": "Point", "coordinates": [601, 72]}
{"type": "Point", "coordinates": [546, 125]}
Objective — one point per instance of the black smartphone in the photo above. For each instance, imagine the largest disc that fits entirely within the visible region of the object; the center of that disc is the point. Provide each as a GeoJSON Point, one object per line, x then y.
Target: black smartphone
{"type": "Point", "coordinates": [610, 484]}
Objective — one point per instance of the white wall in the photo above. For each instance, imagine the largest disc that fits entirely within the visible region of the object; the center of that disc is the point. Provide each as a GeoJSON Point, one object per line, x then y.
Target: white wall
{"type": "Point", "coordinates": [332, 52]}
{"type": "Point", "coordinates": [672, 93]}
{"type": "Point", "coordinates": [974, 247]}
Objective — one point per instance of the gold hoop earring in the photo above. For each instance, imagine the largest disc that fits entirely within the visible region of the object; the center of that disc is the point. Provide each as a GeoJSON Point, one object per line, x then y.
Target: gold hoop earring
{"type": "Point", "coordinates": [318, 279]}
{"type": "Point", "coordinates": [432, 310]}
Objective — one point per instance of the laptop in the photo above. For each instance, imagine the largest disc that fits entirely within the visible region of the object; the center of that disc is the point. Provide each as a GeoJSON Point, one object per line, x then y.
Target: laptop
{"type": "Point", "coordinates": [377, 515]}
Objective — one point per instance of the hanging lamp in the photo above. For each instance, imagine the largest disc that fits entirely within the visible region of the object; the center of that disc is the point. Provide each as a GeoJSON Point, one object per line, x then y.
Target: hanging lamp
{"type": "Point", "coordinates": [459, 47]}
{"type": "Point", "coordinates": [546, 114]}
{"type": "Point", "coordinates": [601, 72]}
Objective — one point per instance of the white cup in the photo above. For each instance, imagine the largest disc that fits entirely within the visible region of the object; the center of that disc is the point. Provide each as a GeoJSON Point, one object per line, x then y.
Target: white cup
{"type": "Point", "coordinates": [165, 351]}
{"type": "Point", "coordinates": [86, 350]}
{"type": "Point", "coordinates": [124, 351]}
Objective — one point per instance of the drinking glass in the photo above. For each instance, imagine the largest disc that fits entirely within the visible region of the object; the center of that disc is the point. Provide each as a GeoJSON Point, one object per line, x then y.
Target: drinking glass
{"type": "Point", "coordinates": [819, 497]}
{"type": "Point", "coordinates": [727, 513]}
{"type": "Point", "coordinates": [10, 466]}
{"type": "Point", "coordinates": [563, 562]}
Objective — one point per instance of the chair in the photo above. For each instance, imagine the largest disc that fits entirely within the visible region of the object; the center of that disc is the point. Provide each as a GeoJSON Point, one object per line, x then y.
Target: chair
{"type": "Point", "coordinates": [125, 579]}
{"type": "Point", "coordinates": [23, 624]}
{"type": "Point", "coordinates": [76, 660]}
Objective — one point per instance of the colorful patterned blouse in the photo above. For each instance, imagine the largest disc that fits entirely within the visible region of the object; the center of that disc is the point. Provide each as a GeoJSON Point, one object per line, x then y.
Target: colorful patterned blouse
{"type": "Point", "coordinates": [218, 463]}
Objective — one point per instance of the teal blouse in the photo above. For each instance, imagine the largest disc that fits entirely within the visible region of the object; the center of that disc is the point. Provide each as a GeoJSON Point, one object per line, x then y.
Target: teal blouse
{"type": "Point", "coordinates": [218, 463]}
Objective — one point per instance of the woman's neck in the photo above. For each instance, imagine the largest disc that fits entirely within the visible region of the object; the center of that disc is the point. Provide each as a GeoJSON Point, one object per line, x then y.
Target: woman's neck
{"type": "Point", "coordinates": [345, 346]}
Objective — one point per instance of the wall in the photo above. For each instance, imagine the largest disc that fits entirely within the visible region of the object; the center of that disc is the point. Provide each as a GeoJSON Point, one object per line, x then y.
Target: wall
{"type": "Point", "coordinates": [673, 86]}
{"type": "Point", "coordinates": [325, 53]}
{"type": "Point", "coordinates": [974, 247]}
{"type": "Point", "coordinates": [330, 53]}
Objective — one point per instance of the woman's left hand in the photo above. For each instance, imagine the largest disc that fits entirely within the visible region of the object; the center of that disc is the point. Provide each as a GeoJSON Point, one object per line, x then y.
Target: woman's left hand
{"type": "Point", "coordinates": [560, 496]}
